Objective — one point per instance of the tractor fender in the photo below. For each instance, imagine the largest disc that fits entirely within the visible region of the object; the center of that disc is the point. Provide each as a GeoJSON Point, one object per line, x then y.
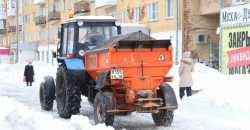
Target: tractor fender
{"type": "Point", "coordinates": [169, 95]}
{"type": "Point", "coordinates": [101, 78]}
{"type": "Point", "coordinates": [50, 87]}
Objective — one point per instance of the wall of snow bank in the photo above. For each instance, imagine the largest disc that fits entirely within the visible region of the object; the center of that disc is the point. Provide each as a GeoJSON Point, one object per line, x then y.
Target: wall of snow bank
{"type": "Point", "coordinates": [225, 96]}
{"type": "Point", "coordinates": [15, 116]}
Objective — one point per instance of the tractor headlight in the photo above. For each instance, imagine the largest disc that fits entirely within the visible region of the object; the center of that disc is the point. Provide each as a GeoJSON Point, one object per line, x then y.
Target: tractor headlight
{"type": "Point", "coordinates": [117, 23]}
{"type": "Point", "coordinates": [80, 23]}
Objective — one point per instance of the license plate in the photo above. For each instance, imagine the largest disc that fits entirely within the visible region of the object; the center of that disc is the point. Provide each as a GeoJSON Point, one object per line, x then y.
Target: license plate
{"type": "Point", "coordinates": [117, 74]}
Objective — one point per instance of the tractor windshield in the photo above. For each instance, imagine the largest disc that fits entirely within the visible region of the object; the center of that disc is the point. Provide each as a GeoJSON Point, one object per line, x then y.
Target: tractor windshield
{"type": "Point", "coordinates": [94, 36]}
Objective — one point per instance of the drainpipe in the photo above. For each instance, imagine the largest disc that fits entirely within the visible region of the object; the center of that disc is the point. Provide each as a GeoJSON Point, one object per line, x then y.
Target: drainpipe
{"type": "Point", "coordinates": [221, 2]}
{"type": "Point", "coordinates": [176, 40]}
{"type": "Point", "coordinates": [48, 29]}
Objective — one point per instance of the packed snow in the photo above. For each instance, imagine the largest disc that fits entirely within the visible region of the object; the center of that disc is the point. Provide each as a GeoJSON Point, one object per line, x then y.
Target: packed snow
{"type": "Point", "coordinates": [223, 103]}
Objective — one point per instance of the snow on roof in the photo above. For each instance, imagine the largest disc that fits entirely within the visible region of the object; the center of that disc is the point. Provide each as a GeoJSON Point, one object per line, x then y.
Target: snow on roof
{"type": "Point", "coordinates": [91, 18]}
{"type": "Point", "coordinates": [132, 25]}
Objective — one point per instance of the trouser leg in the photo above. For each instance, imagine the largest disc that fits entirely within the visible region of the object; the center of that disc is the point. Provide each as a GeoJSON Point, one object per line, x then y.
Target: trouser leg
{"type": "Point", "coordinates": [189, 93]}
{"type": "Point", "coordinates": [30, 83]}
{"type": "Point", "coordinates": [27, 83]}
{"type": "Point", "coordinates": [182, 92]}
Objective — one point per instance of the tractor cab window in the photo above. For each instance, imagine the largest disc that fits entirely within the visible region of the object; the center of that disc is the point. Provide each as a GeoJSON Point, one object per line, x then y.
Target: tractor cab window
{"type": "Point", "coordinates": [70, 49]}
{"type": "Point", "coordinates": [90, 36]}
{"type": "Point", "coordinates": [64, 41]}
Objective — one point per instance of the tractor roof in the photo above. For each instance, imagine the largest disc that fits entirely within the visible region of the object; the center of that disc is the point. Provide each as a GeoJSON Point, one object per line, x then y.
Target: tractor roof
{"type": "Point", "coordinates": [135, 36]}
{"type": "Point", "coordinates": [92, 19]}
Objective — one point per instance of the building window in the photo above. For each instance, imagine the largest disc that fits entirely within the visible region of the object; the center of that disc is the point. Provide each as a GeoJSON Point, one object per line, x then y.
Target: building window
{"type": "Point", "coordinates": [26, 38]}
{"type": "Point", "coordinates": [43, 34]}
{"type": "Point", "coordinates": [34, 16]}
{"type": "Point", "coordinates": [153, 11]}
{"type": "Point", "coordinates": [52, 32]}
{"type": "Point", "coordinates": [57, 7]}
{"type": "Point", "coordinates": [43, 56]}
{"type": "Point", "coordinates": [169, 8]}
{"type": "Point", "coordinates": [20, 3]}
{"type": "Point", "coordinates": [137, 14]}
{"type": "Point", "coordinates": [21, 37]}
{"type": "Point", "coordinates": [52, 59]}
{"type": "Point", "coordinates": [124, 16]}
{"type": "Point", "coordinates": [38, 35]}
{"type": "Point", "coordinates": [63, 5]}
{"type": "Point", "coordinates": [30, 37]}
{"type": "Point", "coordinates": [52, 8]}
{"type": "Point", "coordinates": [20, 19]}
{"type": "Point", "coordinates": [43, 12]}
{"type": "Point", "coordinates": [37, 13]}
{"type": "Point", "coordinates": [26, 19]}
{"type": "Point", "coordinates": [240, 1]}
{"type": "Point", "coordinates": [29, 1]}
{"type": "Point", "coordinates": [70, 4]}
{"type": "Point", "coordinates": [57, 29]}
{"type": "Point", "coordinates": [112, 15]}
{"type": "Point", "coordinates": [30, 17]}
{"type": "Point", "coordinates": [34, 36]}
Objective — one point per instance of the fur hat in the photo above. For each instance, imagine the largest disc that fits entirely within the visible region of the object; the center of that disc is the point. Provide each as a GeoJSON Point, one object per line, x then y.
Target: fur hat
{"type": "Point", "coordinates": [187, 54]}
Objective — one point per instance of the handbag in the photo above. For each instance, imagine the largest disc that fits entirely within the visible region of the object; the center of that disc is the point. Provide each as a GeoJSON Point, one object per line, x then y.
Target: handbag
{"type": "Point", "coordinates": [24, 78]}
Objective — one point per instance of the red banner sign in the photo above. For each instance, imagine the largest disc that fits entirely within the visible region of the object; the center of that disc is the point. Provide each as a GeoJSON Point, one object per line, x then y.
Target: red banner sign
{"type": "Point", "coordinates": [238, 57]}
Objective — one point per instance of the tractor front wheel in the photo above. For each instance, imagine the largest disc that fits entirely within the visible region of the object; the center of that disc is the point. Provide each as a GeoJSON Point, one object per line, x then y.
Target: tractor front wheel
{"type": "Point", "coordinates": [45, 102]}
{"type": "Point", "coordinates": [101, 105]}
{"type": "Point", "coordinates": [163, 117]}
{"type": "Point", "coordinates": [68, 96]}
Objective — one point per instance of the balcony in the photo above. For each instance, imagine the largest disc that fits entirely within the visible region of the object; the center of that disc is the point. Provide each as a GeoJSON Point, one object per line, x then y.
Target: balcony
{"type": "Point", "coordinates": [105, 3]}
{"type": "Point", "coordinates": [81, 7]}
{"type": "Point", "coordinates": [40, 20]}
{"type": "Point", "coordinates": [39, 2]}
{"type": "Point", "coordinates": [11, 12]}
{"type": "Point", "coordinates": [3, 31]}
{"type": "Point", "coordinates": [54, 16]}
{"type": "Point", "coordinates": [20, 28]}
{"type": "Point", "coordinates": [11, 29]}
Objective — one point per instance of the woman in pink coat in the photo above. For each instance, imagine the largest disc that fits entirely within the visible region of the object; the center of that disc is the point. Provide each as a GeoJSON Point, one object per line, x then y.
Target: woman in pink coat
{"type": "Point", "coordinates": [185, 72]}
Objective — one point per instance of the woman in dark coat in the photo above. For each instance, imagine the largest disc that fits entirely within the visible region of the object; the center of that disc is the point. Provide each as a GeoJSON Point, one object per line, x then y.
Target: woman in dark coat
{"type": "Point", "coordinates": [29, 73]}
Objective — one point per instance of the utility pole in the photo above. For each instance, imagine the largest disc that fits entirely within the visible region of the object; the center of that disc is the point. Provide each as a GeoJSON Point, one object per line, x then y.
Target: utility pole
{"type": "Point", "coordinates": [221, 3]}
{"type": "Point", "coordinates": [176, 35]}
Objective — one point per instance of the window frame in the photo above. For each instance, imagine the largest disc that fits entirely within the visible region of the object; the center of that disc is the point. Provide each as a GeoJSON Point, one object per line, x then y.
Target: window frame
{"type": "Point", "coordinates": [167, 2]}
{"type": "Point", "coordinates": [135, 14]}
{"type": "Point", "coordinates": [238, 3]}
{"type": "Point", "coordinates": [52, 32]}
{"type": "Point", "coordinates": [149, 12]}
{"type": "Point", "coordinates": [38, 35]}
{"type": "Point", "coordinates": [124, 18]}
{"type": "Point", "coordinates": [34, 38]}
{"type": "Point", "coordinates": [64, 7]}
{"type": "Point", "coordinates": [70, 4]}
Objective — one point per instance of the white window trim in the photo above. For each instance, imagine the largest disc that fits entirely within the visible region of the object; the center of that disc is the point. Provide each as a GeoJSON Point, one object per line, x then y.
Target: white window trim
{"type": "Point", "coordinates": [168, 17]}
{"type": "Point", "coordinates": [135, 14]}
{"type": "Point", "coordinates": [70, 4]}
{"type": "Point", "coordinates": [38, 35]}
{"type": "Point", "coordinates": [64, 6]}
{"type": "Point", "coordinates": [125, 16]}
{"type": "Point", "coordinates": [34, 38]}
{"type": "Point", "coordinates": [153, 20]}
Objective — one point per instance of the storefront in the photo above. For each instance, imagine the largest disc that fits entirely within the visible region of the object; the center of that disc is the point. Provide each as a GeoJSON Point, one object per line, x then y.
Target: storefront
{"type": "Point", "coordinates": [235, 40]}
{"type": "Point", "coordinates": [27, 52]}
{"type": "Point", "coordinates": [4, 57]}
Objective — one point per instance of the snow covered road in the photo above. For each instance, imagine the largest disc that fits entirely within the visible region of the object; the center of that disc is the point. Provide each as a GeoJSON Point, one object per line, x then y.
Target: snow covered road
{"type": "Point", "coordinates": [192, 114]}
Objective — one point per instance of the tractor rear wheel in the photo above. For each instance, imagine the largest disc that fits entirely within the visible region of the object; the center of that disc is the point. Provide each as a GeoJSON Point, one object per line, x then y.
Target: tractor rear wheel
{"type": "Point", "coordinates": [163, 117]}
{"type": "Point", "coordinates": [45, 102]}
{"type": "Point", "coordinates": [68, 96]}
{"type": "Point", "coordinates": [102, 99]}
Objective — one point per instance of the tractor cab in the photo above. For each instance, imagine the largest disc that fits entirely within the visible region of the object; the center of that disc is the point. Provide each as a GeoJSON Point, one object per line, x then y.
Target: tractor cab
{"type": "Point", "coordinates": [81, 33]}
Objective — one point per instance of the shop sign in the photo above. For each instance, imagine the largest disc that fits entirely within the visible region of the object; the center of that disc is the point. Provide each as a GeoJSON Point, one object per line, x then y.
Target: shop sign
{"type": "Point", "coordinates": [235, 50]}
{"type": "Point", "coordinates": [235, 14]}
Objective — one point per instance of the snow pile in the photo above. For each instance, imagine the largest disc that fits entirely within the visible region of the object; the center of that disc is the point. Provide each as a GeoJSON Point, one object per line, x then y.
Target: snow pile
{"type": "Point", "coordinates": [224, 96]}
{"type": "Point", "coordinates": [15, 116]}
{"type": "Point", "coordinates": [15, 72]}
